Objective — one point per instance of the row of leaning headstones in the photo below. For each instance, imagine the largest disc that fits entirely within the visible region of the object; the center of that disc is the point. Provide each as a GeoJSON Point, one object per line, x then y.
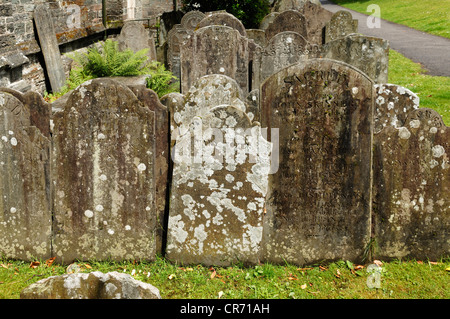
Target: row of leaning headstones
{"type": "Point", "coordinates": [218, 43]}
{"type": "Point", "coordinates": [326, 164]}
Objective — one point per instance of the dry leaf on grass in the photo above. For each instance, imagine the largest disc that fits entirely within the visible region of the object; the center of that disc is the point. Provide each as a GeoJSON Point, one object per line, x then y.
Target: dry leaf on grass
{"type": "Point", "coordinates": [34, 264]}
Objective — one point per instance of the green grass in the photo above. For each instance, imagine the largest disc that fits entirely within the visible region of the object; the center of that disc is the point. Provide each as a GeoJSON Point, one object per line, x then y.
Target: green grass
{"type": "Point", "coordinates": [433, 91]}
{"type": "Point", "coordinates": [399, 279]}
{"type": "Point", "coordinates": [431, 16]}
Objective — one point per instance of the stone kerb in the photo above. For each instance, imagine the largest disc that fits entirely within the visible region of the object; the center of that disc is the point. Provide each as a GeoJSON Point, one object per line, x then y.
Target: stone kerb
{"type": "Point", "coordinates": [319, 201]}
{"type": "Point", "coordinates": [103, 175]}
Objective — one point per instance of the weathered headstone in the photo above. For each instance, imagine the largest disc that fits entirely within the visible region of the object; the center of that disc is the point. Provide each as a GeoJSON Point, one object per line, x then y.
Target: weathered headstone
{"type": "Point", "coordinates": [94, 285]}
{"type": "Point", "coordinates": [369, 54]}
{"type": "Point", "coordinates": [257, 35]}
{"type": "Point", "coordinates": [49, 47]}
{"type": "Point", "coordinates": [224, 19]}
{"type": "Point", "coordinates": [340, 25]}
{"type": "Point", "coordinates": [218, 190]}
{"type": "Point", "coordinates": [253, 108]}
{"type": "Point", "coordinates": [103, 175]}
{"type": "Point", "coordinates": [284, 49]}
{"type": "Point", "coordinates": [191, 19]}
{"type": "Point", "coordinates": [215, 50]}
{"type": "Point", "coordinates": [267, 20]}
{"type": "Point", "coordinates": [319, 201]}
{"type": "Point", "coordinates": [290, 20]}
{"type": "Point", "coordinates": [25, 214]}
{"type": "Point", "coordinates": [316, 19]}
{"type": "Point", "coordinates": [176, 38]}
{"type": "Point", "coordinates": [135, 37]}
{"type": "Point", "coordinates": [392, 106]}
{"type": "Point", "coordinates": [283, 5]}
{"type": "Point", "coordinates": [412, 187]}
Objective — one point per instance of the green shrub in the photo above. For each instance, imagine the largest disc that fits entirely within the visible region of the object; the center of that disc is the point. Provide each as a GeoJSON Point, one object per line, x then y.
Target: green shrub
{"type": "Point", "coordinates": [250, 12]}
{"type": "Point", "coordinates": [161, 80]}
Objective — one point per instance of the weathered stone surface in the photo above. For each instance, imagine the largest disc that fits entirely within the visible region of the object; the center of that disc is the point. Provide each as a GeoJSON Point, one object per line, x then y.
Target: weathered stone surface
{"type": "Point", "coordinates": [176, 38]}
{"type": "Point", "coordinates": [135, 37]}
{"type": "Point", "coordinates": [340, 25]}
{"type": "Point", "coordinates": [290, 20]}
{"type": "Point", "coordinates": [25, 208]}
{"type": "Point", "coordinates": [267, 20]}
{"type": "Point", "coordinates": [215, 50]}
{"type": "Point", "coordinates": [392, 106]}
{"type": "Point", "coordinates": [94, 285]}
{"type": "Point", "coordinates": [319, 200]}
{"type": "Point", "coordinates": [257, 35]}
{"type": "Point", "coordinates": [224, 19]}
{"type": "Point", "coordinates": [191, 19]}
{"type": "Point", "coordinates": [49, 47]}
{"type": "Point", "coordinates": [283, 5]}
{"type": "Point", "coordinates": [369, 54]}
{"type": "Point", "coordinates": [103, 174]}
{"type": "Point", "coordinates": [218, 190]}
{"type": "Point", "coordinates": [284, 49]}
{"type": "Point", "coordinates": [253, 108]}
{"type": "Point", "coordinates": [412, 187]}
{"type": "Point", "coordinates": [316, 19]}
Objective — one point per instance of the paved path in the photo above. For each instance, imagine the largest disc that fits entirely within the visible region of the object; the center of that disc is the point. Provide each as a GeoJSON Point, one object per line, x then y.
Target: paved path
{"type": "Point", "coordinates": [432, 51]}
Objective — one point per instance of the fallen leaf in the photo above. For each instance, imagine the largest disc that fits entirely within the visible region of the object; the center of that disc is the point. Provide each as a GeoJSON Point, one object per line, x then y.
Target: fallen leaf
{"type": "Point", "coordinates": [189, 269]}
{"type": "Point", "coordinates": [88, 266]}
{"type": "Point", "coordinates": [213, 274]}
{"type": "Point", "coordinates": [292, 278]}
{"type": "Point", "coordinates": [420, 262]}
{"type": "Point", "coordinates": [447, 269]}
{"type": "Point", "coordinates": [220, 294]}
{"type": "Point", "coordinates": [358, 267]}
{"type": "Point", "coordinates": [34, 264]}
{"type": "Point", "coordinates": [433, 262]}
{"type": "Point", "coordinates": [338, 273]}
{"type": "Point", "coordinates": [171, 276]}
{"type": "Point", "coordinates": [50, 261]}
{"type": "Point", "coordinates": [322, 268]}
{"type": "Point", "coordinates": [303, 286]}
{"type": "Point", "coordinates": [4, 266]}
{"type": "Point", "coordinates": [378, 263]}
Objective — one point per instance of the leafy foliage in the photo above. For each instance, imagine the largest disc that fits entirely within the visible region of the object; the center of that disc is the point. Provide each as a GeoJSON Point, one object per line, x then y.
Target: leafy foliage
{"type": "Point", "coordinates": [250, 12]}
{"type": "Point", "coordinates": [161, 80]}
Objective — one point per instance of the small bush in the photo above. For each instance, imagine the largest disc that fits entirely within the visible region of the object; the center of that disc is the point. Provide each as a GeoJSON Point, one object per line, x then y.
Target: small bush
{"type": "Point", "coordinates": [161, 80]}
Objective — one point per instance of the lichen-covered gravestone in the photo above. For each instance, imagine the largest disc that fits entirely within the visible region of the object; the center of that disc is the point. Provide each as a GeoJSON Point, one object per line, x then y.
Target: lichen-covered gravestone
{"type": "Point", "coordinates": [191, 19]}
{"type": "Point", "coordinates": [135, 37]}
{"type": "Point", "coordinates": [176, 37]}
{"type": "Point", "coordinates": [218, 190]}
{"type": "Point", "coordinates": [412, 187]}
{"type": "Point", "coordinates": [103, 175]}
{"type": "Point", "coordinates": [319, 200]}
{"type": "Point", "coordinates": [225, 19]}
{"type": "Point", "coordinates": [369, 54]}
{"type": "Point", "coordinates": [25, 208]}
{"type": "Point", "coordinates": [284, 49]}
{"type": "Point", "coordinates": [290, 20]}
{"type": "Point", "coordinates": [340, 25]}
{"type": "Point", "coordinates": [316, 19]}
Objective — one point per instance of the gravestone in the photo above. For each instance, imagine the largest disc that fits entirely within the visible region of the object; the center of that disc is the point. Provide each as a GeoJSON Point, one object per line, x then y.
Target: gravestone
{"type": "Point", "coordinates": [224, 19]}
{"type": "Point", "coordinates": [284, 49]}
{"type": "Point", "coordinates": [257, 35]}
{"type": "Point", "coordinates": [412, 187]}
{"type": "Point", "coordinates": [253, 108]}
{"type": "Point", "coordinates": [316, 19]}
{"type": "Point", "coordinates": [25, 214]}
{"type": "Point", "coordinates": [340, 25]}
{"type": "Point", "coordinates": [267, 20]}
{"type": "Point", "coordinates": [49, 47]}
{"type": "Point", "coordinates": [392, 106]}
{"type": "Point", "coordinates": [176, 38]}
{"type": "Point", "coordinates": [191, 19]}
{"type": "Point", "coordinates": [319, 201]}
{"type": "Point", "coordinates": [135, 37]}
{"type": "Point", "coordinates": [215, 50]}
{"type": "Point", "coordinates": [218, 190]}
{"type": "Point", "coordinates": [103, 174]}
{"type": "Point", "coordinates": [369, 54]}
{"type": "Point", "coordinates": [289, 20]}
{"type": "Point", "coordinates": [283, 5]}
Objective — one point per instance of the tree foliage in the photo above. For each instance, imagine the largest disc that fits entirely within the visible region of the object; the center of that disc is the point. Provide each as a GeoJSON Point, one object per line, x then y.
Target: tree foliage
{"type": "Point", "coordinates": [250, 12]}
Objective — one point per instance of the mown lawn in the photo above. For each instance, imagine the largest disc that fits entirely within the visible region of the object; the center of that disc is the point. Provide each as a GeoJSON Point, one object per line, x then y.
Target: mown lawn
{"type": "Point", "coordinates": [398, 279]}
{"type": "Point", "coordinates": [433, 91]}
{"type": "Point", "coordinates": [432, 16]}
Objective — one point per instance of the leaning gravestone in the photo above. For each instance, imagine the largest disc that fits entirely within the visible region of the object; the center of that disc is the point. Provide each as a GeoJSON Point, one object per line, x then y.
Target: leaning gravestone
{"type": "Point", "coordinates": [135, 37]}
{"type": "Point", "coordinates": [25, 217]}
{"type": "Point", "coordinates": [290, 20]}
{"type": "Point", "coordinates": [284, 49]}
{"type": "Point", "coordinates": [103, 175]}
{"type": "Point", "coordinates": [215, 50]}
{"type": "Point", "coordinates": [191, 19]}
{"type": "Point", "coordinates": [369, 54]}
{"type": "Point", "coordinates": [319, 201]}
{"type": "Point", "coordinates": [392, 106]}
{"type": "Point", "coordinates": [340, 25]}
{"type": "Point", "coordinates": [316, 19]}
{"type": "Point", "coordinates": [218, 190]}
{"type": "Point", "coordinates": [49, 47]}
{"type": "Point", "coordinates": [412, 187]}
